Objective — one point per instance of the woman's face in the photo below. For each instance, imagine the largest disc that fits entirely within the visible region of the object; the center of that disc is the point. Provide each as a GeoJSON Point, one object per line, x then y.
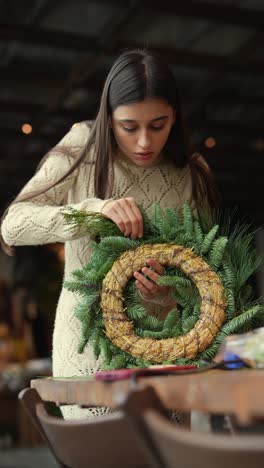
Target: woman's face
{"type": "Point", "coordinates": [141, 130]}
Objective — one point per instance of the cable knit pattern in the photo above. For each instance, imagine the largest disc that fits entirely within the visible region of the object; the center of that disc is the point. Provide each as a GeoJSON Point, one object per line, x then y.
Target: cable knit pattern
{"type": "Point", "coordinates": [40, 221]}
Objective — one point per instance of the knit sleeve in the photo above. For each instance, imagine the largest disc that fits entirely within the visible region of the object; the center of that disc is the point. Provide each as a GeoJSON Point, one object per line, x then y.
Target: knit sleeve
{"type": "Point", "coordinates": [40, 220]}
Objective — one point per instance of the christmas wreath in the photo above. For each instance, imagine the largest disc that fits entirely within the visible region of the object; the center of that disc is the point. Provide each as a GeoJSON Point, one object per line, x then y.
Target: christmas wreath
{"type": "Point", "coordinates": [206, 266]}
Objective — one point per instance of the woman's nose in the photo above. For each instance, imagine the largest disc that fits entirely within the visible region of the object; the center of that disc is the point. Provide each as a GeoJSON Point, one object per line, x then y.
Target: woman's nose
{"type": "Point", "coordinates": [144, 140]}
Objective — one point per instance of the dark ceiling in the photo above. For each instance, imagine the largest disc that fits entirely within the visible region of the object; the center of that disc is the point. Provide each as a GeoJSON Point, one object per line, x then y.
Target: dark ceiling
{"type": "Point", "coordinates": [54, 56]}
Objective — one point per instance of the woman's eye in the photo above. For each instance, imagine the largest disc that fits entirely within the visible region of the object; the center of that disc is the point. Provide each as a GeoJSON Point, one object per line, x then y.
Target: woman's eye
{"type": "Point", "coordinates": [129, 129]}
{"type": "Point", "coordinates": [157, 128]}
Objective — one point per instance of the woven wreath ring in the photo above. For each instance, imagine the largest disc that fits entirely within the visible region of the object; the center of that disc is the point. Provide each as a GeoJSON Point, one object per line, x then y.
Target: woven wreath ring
{"type": "Point", "coordinates": [120, 329]}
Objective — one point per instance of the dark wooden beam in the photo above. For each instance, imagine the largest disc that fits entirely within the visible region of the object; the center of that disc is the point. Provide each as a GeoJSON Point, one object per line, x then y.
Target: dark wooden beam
{"type": "Point", "coordinates": [15, 134]}
{"type": "Point", "coordinates": [176, 56]}
{"type": "Point", "coordinates": [39, 75]}
{"type": "Point", "coordinates": [44, 37]}
{"type": "Point", "coordinates": [17, 107]}
{"type": "Point", "coordinates": [229, 14]}
{"type": "Point", "coordinates": [88, 65]}
{"type": "Point", "coordinates": [224, 161]}
{"type": "Point", "coordinates": [233, 129]}
{"type": "Point", "coordinates": [207, 86]}
{"type": "Point", "coordinates": [89, 44]}
{"type": "Point", "coordinates": [228, 98]}
{"type": "Point", "coordinates": [44, 8]}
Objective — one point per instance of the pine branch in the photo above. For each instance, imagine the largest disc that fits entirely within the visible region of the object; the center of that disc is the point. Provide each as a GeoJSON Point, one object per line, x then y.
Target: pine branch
{"type": "Point", "coordinates": [198, 236]}
{"type": "Point", "coordinates": [231, 305]}
{"type": "Point", "coordinates": [118, 244]}
{"type": "Point", "coordinates": [207, 242]}
{"type": "Point", "coordinates": [81, 288]}
{"type": "Point", "coordinates": [188, 221]}
{"type": "Point", "coordinates": [186, 313]}
{"type": "Point", "coordinates": [229, 276]}
{"type": "Point", "coordinates": [156, 218]}
{"type": "Point", "coordinates": [86, 330]}
{"type": "Point", "coordinates": [136, 311]}
{"type": "Point", "coordinates": [150, 322]}
{"type": "Point", "coordinates": [171, 319]}
{"type": "Point", "coordinates": [118, 362]}
{"type": "Point", "coordinates": [175, 281]}
{"type": "Point", "coordinates": [231, 327]}
{"type": "Point", "coordinates": [188, 324]}
{"type": "Point", "coordinates": [156, 335]}
{"type": "Point", "coordinates": [177, 329]}
{"type": "Point", "coordinates": [105, 351]}
{"type": "Point", "coordinates": [92, 223]}
{"type": "Point", "coordinates": [149, 228]}
{"type": "Point", "coordinates": [217, 252]}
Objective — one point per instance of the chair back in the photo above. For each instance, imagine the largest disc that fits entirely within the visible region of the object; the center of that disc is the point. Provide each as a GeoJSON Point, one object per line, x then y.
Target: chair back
{"type": "Point", "coordinates": [172, 446]}
{"type": "Point", "coordinates": [29, 399]}
{"type": "Point", "coordinates": [180, 448]}
{"type": "Point", "coordinates": [102, 442]}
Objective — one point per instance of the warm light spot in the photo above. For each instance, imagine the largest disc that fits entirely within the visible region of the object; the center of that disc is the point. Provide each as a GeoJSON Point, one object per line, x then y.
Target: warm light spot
{"type": "Point", "coordinates": [210, 142]}
{"type": "Point", "coordinates": [259, 144]}
{"type": "Point", "coordinates": [26, 128]}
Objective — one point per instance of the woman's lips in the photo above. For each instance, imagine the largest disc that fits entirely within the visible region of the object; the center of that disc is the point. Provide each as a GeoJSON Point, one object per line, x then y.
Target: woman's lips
{"type": "Point", "coordinates": [144, 155]}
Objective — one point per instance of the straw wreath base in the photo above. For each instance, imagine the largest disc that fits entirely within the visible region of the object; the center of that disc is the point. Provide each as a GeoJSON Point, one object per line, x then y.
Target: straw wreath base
{"type": "Point", "coordinates": [120, 329]}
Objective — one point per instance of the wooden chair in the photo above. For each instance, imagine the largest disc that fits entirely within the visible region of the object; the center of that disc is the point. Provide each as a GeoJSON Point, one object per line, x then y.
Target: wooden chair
{"type": "Point", "coordinates": [102, 442]}
{"type": "Point", "coordinates": [169, 445]}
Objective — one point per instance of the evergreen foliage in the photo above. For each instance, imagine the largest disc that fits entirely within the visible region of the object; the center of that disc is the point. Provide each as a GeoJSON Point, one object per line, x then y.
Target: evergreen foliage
{"type": "Point", "coordinates": [227, 250]}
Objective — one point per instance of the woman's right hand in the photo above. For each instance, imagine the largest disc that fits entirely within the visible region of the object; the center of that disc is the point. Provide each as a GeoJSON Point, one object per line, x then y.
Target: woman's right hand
{"type": "Point", "coordinates": [126, 215]}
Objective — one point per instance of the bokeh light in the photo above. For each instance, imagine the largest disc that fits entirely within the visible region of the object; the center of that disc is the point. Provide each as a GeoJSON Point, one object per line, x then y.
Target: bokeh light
{"type": "Point", "coordinates": [26, 128]}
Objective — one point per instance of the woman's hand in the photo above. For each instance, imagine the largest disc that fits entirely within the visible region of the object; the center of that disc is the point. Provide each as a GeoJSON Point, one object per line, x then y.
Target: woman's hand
{"type": "Point", "coordinates": [148, 287]}
{"type": "Point", "coordinates": [126, 215]}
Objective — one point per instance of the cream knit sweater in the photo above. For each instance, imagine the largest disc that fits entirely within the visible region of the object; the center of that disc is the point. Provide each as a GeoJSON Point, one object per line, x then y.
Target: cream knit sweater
{"type": "Point", "coordinates": [40, 221]}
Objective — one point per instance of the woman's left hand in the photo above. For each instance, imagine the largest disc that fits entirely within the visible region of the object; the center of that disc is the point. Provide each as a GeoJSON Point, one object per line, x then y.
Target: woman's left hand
{"type": "Point", "coordinates": [148, 287]}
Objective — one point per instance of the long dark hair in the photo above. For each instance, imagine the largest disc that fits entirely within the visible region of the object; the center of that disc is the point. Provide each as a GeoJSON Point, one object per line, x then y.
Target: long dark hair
{"type": "Point", "coordinates": [134, 76]}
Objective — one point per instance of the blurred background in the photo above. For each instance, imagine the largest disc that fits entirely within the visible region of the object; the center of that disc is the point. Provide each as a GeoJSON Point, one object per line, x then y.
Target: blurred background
{"type": "Point", "coordinates": [54, 57]}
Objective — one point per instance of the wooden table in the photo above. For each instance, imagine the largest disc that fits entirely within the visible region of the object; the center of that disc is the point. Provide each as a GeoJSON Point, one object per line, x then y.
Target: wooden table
{"type": "Point", "coordinates": [239, 392]}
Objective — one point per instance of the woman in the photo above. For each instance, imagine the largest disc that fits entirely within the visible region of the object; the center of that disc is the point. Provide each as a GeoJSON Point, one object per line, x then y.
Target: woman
{"type": "Point", "coordinates": [134, 154]}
